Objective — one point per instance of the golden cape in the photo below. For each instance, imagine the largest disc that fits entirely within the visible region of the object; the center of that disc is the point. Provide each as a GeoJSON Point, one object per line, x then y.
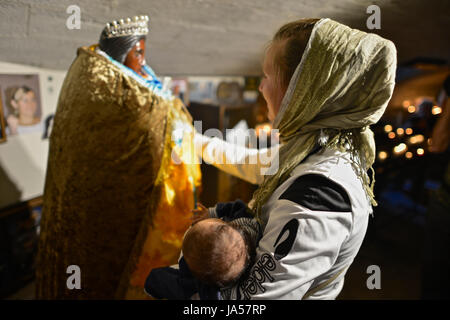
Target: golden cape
{"type": "Point", "coordinates": [115, 203]}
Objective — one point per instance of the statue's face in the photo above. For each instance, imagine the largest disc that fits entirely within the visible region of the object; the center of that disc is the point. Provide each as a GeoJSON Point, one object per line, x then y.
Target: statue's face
{"type": "Point", "coordinates": [135, 59]}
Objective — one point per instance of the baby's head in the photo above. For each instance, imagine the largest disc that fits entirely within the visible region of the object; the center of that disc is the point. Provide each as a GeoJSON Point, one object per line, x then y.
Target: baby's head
{"type": "Point", "coordinates": [216, 252]}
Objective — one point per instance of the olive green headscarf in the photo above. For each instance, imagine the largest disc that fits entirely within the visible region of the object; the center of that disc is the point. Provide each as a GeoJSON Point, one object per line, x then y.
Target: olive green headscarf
{"type": "Point", "coordinates": [342, 85]}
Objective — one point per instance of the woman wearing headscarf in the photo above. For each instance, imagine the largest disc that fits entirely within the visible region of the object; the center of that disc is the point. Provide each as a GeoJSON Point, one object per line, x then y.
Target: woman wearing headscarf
{"type": "Point", "coordinates": [324, 84]}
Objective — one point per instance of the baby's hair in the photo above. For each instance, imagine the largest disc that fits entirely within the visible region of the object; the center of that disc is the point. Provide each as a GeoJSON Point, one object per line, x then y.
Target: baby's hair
{"type": "Point", "coordinates": [291, 40]}
{"type": "Point", "coordinates": [213, 256]}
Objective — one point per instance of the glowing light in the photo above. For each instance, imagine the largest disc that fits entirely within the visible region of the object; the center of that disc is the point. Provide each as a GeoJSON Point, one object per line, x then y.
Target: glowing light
{"type": "Point", "coordinates": [388, 128]}
{"type": "Point", "coordinates": [418, 138]}
{"type": "Point", "coordinates": [406, 104]}
{"type": "Point", "coordinates": [420, 151]}
{"type": "Point", "coordinates": [400, 131]}
{"type": "Point", "coordinates": [391, 135]}
{"type": "Point", "coordinates": [408, 131]}
{"type": "Point", "coordinates": [263, 128]}
{"type": "Point", "coordinates": [411, 109]}
{"type": "Point", "coordinates": [408, 155]}
{"type": "Point", "coordinates": [436, 110]}
{"type": "Point", "coordinates": [267, 128]}
{"type": "Point", "coordinates": [400, 148]}
{"type": "Point", "coordinates": [382, 155]}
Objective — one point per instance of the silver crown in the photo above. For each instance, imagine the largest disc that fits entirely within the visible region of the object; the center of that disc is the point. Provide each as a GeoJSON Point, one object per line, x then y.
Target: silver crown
{"type": "Point", "coordinates": [127, 27]}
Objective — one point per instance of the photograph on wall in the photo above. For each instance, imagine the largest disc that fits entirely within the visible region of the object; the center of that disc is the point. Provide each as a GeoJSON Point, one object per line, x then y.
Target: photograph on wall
{"type": "Point", "coordinates": [202, 90]}
{"type": "Point", "coordinates": [22, 111]}
{"type": "Point", "coordinates": [180, 89]}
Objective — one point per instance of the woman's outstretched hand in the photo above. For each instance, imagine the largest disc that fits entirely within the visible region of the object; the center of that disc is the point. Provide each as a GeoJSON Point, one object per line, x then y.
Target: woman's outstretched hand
{"type": "Point", "coordinates": [200, 213]}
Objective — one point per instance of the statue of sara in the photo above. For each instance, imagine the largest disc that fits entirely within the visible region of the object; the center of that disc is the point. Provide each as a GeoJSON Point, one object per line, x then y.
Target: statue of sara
{"type": "Point", "coordinates": [119, 187]}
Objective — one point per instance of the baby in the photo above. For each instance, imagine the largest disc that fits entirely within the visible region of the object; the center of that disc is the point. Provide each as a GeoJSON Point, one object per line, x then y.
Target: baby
{"type": "Point", "coordinates": [217, 250]}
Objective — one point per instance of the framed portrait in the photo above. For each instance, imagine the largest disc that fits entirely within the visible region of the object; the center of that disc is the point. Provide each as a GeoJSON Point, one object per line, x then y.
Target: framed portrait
{"type": "Point", "coordinates": [202, 90]}
{"type": "Point", "coordinates": [180, 89]}
{"type": "Point", "coordinates": [2, 123]}
{"type": "Point", "coordinates": [21, 102]}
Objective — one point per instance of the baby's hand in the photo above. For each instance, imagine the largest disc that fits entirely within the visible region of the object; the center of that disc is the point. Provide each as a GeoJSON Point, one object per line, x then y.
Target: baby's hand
{"type": "Point", "coordinates": [200, 213]}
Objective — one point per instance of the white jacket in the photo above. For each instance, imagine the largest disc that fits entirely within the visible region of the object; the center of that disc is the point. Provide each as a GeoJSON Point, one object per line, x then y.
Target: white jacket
{"type": "Point", "coordinates": [316, 222]}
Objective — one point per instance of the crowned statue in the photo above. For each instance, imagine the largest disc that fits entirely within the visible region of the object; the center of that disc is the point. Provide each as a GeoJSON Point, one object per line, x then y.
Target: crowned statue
{"type": "Point", "coordinates": [122, 177]}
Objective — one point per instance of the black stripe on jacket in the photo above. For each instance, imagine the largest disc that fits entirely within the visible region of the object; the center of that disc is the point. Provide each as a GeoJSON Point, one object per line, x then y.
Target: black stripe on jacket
{"type": "Point", "coordinates": [318, 193]}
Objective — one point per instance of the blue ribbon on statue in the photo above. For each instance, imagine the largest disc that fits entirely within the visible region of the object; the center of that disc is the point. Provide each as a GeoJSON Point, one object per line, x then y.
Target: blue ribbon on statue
{"type": "Point", "coordinates": [153, 83]}
{"type": "Point", "coordinates": [154, 79]}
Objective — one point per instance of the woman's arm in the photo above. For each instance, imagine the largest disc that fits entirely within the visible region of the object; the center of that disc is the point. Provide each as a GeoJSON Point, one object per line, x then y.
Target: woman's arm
{"type": "Point", "coordinates": [245, 163]}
